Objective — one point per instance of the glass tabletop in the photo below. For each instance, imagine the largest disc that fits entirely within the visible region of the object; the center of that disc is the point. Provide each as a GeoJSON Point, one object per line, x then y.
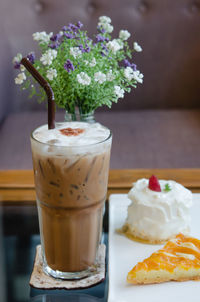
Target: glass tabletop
{"type": "Point", "coordinates": [19, 236]}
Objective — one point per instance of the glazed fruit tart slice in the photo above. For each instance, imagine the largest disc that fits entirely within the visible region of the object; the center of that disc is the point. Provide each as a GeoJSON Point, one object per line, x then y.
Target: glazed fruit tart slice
{"type": "Point", "coordinates": [178, 260]}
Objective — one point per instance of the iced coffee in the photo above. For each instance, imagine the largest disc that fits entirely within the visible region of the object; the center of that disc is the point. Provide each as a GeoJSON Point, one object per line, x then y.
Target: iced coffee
{"type": "Point", "coordinates": [71, 164]}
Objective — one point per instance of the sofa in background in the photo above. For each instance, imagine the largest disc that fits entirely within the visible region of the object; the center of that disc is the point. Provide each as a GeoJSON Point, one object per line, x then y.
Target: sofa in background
{"type": "Point", "coordinates": [158, 124]}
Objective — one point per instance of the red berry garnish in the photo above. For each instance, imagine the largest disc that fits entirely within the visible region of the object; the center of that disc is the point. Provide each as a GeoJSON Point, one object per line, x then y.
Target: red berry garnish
{"type": "Point", "coordinates": [154, 184]}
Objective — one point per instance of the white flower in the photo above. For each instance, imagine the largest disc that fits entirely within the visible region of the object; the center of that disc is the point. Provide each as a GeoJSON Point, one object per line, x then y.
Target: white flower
{"type": "Point", "coordinates": [104, 19]}
{"type": "Point", "coordinates": [108, 28]}
{"type": "Point", "coordinates": [48, 57]}
{"type": "Point", "coordinates": [75, 52]}
{"type": "Point", "coordinates": [22, 68]}
{"type": "Point", "coordinates": [99, 77]}
{"type": "Point", "coordinates": [129, 73]}
{"type": "Point", "coordinates": [53, 53]}
{"type": "Point", "coordinates": [137, 47]}
{"type": "Point", "coordinates": [20, 78]}
{"type": "Point", "coordinates": [83, 78]}
{"type": "Point", "coordinates": [124, 35]}
{"type": "Point", "coordinates": [119, 91]}
{"type": "Point", "coordinates": [104, 22]}
{"type": "Point", "coordinates": [17, 58]}
{"type": "Point", "coordinates": [51, 74]}
{"type": "Point", "coordinates": [42, 36]}
{"type": "Point", "coordinates": [110, 76]}
{"type": "Point", "coordinates": [93, 62]}
{"type": "Point", "coordinates": [137, 76]}
{"type": "Point", "coordinates": [114, 45]}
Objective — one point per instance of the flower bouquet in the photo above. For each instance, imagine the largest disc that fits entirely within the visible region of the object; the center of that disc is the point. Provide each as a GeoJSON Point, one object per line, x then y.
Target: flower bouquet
{"type": "Point", "coordinates": [82, 72]}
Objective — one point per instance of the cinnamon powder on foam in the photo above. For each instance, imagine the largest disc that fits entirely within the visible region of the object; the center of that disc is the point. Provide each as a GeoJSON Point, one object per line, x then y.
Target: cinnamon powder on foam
{"type": "Point", "coordinates": [71, 132]}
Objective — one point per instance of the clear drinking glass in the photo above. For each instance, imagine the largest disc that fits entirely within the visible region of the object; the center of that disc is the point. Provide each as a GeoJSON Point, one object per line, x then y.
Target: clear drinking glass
{"type": "Point", "coordinates": [71, 188]}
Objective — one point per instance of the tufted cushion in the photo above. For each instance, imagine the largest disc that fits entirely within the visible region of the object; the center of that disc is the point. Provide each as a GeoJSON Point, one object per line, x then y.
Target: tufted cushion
{"type": "Point", "coordinates": [141, 139]}
{"type": "Point", "coordinates": [167, 30]}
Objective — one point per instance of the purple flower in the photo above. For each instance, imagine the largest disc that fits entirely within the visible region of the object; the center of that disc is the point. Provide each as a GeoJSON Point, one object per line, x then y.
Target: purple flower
{"type": "Point", "coordinates": [55, 37]}
{"type": "Point", "coordinates": [86, 49]}
{"type": "Point", "coordinates": [69, 66]}
{"type": "Point", "coordinates": [64, 28]}
{"type": "Point", "coordinates": [134, 66]}
{"type": "Point", "coordinates": [31, 57]}
{"type": "Point", "coordinates": [81, 47]}
{"type": "Point", "coordinates": [101, 38]}
{"type": "Point", "coordinates": [104, 47]}
{"type": "Point", "coordinates": [103, 54]}
{"type": "Point", "coordinates": [68, 36]}
{"type": "Point", "coordinates": [54, 45]}
{"type": "Point", "coordinates": [79, 24]}
{"type": "Point", "coordinates": [129, 64]}
{"type": "Point", "coordinates": [72, 27]}
{"type": "Point", "coordinates": [17, 65]}
{"type": "Point", "coordinates": [101, 29]}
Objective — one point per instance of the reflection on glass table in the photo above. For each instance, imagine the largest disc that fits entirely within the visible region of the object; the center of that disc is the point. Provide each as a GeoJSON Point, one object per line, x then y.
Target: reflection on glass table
{"type": "Point", "coordinates": [19, 236]}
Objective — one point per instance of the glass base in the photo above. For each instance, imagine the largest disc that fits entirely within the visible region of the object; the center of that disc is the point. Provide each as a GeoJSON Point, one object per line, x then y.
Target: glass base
{"type": "Point", "coordinates": [68, 275]}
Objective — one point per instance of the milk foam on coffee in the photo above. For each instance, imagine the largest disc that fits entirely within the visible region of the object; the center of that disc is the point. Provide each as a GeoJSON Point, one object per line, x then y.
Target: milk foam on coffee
{"type": "Point", "coordinates": [92, 134]}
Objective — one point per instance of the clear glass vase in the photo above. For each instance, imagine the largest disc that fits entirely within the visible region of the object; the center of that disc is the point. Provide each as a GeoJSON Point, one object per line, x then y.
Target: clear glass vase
{"type": "Point", "coordinates": [81, 117]}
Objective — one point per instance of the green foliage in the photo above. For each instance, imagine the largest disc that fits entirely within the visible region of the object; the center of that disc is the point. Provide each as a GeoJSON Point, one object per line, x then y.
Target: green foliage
{"type": "Point", "coordinates": [167, 188]}
{"type": "Point", "coordinates": [101, 60]}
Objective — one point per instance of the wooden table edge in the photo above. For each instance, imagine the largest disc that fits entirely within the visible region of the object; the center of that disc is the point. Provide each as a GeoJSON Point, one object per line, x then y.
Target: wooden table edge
{"type": "Point", "coordinates": [18, 185]}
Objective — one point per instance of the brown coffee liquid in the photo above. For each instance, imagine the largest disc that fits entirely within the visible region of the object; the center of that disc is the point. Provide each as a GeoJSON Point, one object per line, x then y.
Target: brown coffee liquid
{"type": "Point", "coordinates": [71, 191]}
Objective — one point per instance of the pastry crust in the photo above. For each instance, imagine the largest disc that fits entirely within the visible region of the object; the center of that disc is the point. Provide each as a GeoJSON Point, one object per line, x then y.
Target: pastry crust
{"type": "Point", "coordinates": [178, 260]}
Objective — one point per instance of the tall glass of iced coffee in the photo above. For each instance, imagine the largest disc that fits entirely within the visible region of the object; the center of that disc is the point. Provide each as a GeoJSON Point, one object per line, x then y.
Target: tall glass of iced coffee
{"type": "Point", "coordinates": [71, 164]}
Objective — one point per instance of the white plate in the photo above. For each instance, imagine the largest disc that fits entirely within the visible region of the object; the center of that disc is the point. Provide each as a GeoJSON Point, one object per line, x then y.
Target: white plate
{"type": "Point", "coordinates": [124, 254]}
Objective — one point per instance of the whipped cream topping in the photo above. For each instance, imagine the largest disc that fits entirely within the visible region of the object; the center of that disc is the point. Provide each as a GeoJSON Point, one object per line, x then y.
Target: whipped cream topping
{"type": "Point", "coordinates": [159, 215]}
{"type": "Point", "coordinates": [91, 134]}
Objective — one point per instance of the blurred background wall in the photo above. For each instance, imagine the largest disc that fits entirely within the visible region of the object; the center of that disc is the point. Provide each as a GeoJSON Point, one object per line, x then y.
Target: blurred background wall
{"type": "Point", "coordinates": [168, 31]}
{"type": "Point", "coordinates": [157, 125]}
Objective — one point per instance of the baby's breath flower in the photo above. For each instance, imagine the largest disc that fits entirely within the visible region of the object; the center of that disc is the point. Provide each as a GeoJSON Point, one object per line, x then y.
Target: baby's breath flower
{"type": "Point", "coordinates": [114, 45]}
{"type": "Point", "coordinates": [83, 78]}
{"type": "Point", "coordinates": [119, 91]}
{"type": "Point", "coordinates": [110, 76]}
{"type": "Point", "coordinates": [22, 68]}
{"type": "Point", "coordinates": [124, 35]}
{"type": "Point", "coordinates": [51, 74]}
{"type": "Point", "coordinates": [129, 73]}
{"type": "Point", "coordinates": [107, 27]}
{"type": "Point", "coordinates": [93, 62]}
{"type": "Point", "coordinates": [17, 58]}
{"type": "Point", "coordinates": [104, 23]}
{"type": "Point", "coordinates": [42, 36]}
{"type": "Point", "coordinates": [104, 19]}
{"type": "Point", "coordinates": [20, 78]}
{"type": "Point", "coordinates": [99, 77]}
{"type": "Point", "coordinates": [137, 47]}
{"type": "Point", "coordinates": [75, 52]}
{"type": "Point", "coordinates": [137, 76]}
{"type": "Point", "coordinates": [48, 57]}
